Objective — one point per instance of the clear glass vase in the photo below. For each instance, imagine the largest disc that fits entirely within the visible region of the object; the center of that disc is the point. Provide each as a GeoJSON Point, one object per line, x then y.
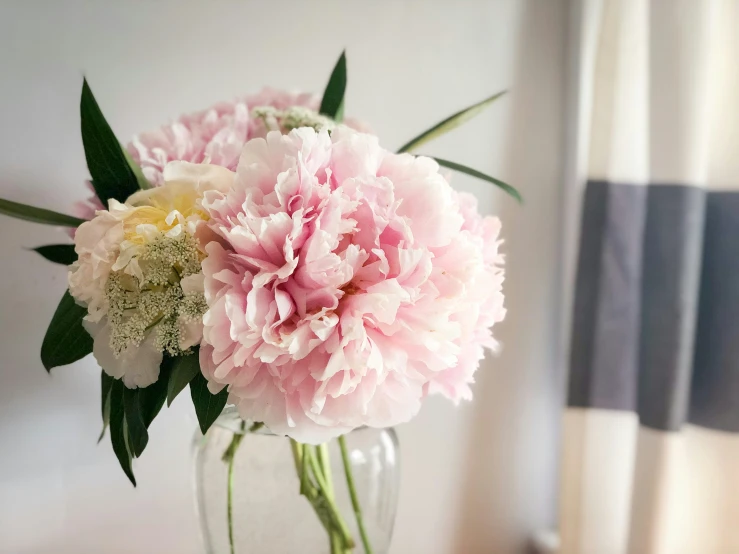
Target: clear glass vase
{"type": "Point", "coordinates": [256, 476]}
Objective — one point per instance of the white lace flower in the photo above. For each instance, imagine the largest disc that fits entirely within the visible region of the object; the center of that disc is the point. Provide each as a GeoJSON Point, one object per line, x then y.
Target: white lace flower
{"type": "Point", "coordinates": [291, 118]}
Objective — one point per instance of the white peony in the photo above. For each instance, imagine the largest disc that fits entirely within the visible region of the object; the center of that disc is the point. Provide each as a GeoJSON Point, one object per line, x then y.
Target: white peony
{"type": "Point", "coordinates": [139, 273]}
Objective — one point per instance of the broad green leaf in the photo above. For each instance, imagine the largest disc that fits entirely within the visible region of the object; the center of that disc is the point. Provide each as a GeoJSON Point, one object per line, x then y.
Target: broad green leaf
{"type": "Point", "coordinates": [152, 397]}
{"type": "Point", "coordinates": [119, 429]}
{"type": "Point", "coordinates": [58, 253]}
{"type": "Point", "coordinates": [208, 406]}
{"type": "Point", "coordinates": [106, 385]}
{"type": "Point", "coordinates": [38, 215]}
{"type": "Point", "coordinates": [332, 103]}
{"type": "Point", "coordinates": [451, 122]}
{"type": "Point", "coordinates": [183, 369]}
{"type": "Point", "coordinates": [141, 406]}
{"type": "Point", "coordinates": [138, 436]}
{"type": "Point", "coordinates": [474, 173]}
{"type": "Point", "coordinates": [112, 174]}
{"type": "Point", "coordinates": [66, 341]}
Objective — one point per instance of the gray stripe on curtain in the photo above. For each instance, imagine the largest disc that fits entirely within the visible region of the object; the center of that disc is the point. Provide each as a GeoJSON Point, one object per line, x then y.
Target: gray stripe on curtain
{"type": "Point", "coordinates": [604, 348]}
{"type": "Point", "coordinates": [715, 388]}
{"type": "Point", "coordinates": [673, 241]}
{"type": "Point", "coordinates": [656, 303]}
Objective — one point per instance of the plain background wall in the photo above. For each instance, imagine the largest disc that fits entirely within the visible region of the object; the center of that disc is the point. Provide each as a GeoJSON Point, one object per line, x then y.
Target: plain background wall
{"type": "Point", "coordinates": [477, 478]}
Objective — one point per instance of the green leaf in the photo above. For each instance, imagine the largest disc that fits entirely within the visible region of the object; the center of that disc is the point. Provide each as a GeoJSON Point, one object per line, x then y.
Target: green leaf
{"type": "Point", "coordinates": [138, 436]}
{"type": "Point", "coordinates": [141, 406]}
{"type": "Point", "coordinates": [183, 370]}
{"type": "Point", "coordinates": [208, 406]}
{"type": "Point", "coordinates": [480, 175]}
{"type": "Point", "coordinates": [38, 215]}
{"type": "Point", "coordinates": [58, 253]}
{"type": "Point", "coordinates": [112, 174]}
{"type": "Point", "coordinates": [66, 341]}
{"type": "Point", "coordinates": [140, 178]}
{"type": "Point", "coordinates": [332, 104]}
{"type": "Point", "coordinates": [106, 385]}
{"type": "Point", "coordinates": [451, 122]}
{"type": "Point", "coordinates": [152, 397]}
{"type": "Point", "coordinates": [119, 429]}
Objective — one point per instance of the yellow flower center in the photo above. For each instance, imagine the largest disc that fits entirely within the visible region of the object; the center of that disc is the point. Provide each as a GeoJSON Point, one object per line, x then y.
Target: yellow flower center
{"type": "Point", "coordinates": [157, 210]}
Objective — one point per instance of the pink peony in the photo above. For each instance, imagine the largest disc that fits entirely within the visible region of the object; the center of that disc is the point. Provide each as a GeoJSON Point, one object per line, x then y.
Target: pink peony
{"type": "Point", "coordinates": [347, 283]}
{"type": "Point", "coordinates": [214, 136]}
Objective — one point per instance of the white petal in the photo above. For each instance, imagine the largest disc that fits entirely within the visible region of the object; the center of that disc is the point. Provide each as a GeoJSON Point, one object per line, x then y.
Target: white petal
{"type": "Point", "coordinates": [103, 353]}
{"type": "Point", "coordinates": [193, 283]}
{"type": "Point", "coordinates": [192, 334]}
{"type": "Point", "coordinates": [202, 176]}
{"type": "Point", "coordinates": [138, 366]}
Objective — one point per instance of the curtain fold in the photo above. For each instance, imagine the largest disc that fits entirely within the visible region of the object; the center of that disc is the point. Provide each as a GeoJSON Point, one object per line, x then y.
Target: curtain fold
{"type": "Point", "coordinates": [651, 426]}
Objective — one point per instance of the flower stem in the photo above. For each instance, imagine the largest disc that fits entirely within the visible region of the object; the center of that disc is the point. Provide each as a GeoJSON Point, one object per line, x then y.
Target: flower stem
{"type": "Point", "coordinates": [324, 460]}
{"type": "Point", "coordinates": [334, 512]}
{"type": "Point", "coordinates": [353, 494]}
{"type": "Point", "coordinates": [256, 426]}
{"type": "Point", "coordinates": [317, 493]}
{"type": "Point", "coordinates": [229, 456]}
{"type": "Point", "coordinates": [230, 506]}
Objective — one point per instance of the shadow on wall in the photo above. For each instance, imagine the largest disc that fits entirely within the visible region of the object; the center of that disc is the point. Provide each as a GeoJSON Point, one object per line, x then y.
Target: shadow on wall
{"type": "Point", "coordinates": [510, 490]}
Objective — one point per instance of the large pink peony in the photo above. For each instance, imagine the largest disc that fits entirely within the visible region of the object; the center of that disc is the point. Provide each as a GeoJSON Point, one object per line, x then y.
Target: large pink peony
{"type": "Point", "coordinates": [347, 283]}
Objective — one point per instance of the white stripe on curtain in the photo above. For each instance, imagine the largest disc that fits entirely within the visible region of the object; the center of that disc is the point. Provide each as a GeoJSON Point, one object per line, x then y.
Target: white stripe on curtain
{"type": "Point", "coordinates": [648, 466]}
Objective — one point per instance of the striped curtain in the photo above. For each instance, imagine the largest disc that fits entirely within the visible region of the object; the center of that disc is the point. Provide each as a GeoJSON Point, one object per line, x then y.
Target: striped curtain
{"type": "Point", "coordinates": [650, 459]}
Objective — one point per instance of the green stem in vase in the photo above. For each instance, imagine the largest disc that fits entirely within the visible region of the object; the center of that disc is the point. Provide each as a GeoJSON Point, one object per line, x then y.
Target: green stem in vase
{"type": "Point", "coordinates": [311, 493]}
{"type": "Point", "coordinates": [306, 463]}
{"type": "Point", "coordinates": [229, 456]}
{"type": "Point", "coordinates": [256, 427]}
{"type": "Point", "coordinates": [230, 506]}
{"type": "Point", "coordinates": [335, 540]}
{"type": "Point", "coordinates": [353, 495]}
{"type": "Point", "coordinates": [324, 462]}
{"type": "Point", "coordinates": [334, 512]}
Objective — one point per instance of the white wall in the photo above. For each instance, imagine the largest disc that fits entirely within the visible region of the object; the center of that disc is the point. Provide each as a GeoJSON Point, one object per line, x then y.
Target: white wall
{"type": "Point", "coordinates": [478, 478]}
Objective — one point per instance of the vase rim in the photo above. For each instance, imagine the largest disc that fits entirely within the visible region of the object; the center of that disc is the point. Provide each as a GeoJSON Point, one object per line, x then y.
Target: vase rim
{"type": "Point", "coordinates": [231, 420]}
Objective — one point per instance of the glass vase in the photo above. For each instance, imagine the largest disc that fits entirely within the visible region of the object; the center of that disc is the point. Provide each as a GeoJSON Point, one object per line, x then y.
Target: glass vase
{"type": "Point", "coordinates": [257, 493]}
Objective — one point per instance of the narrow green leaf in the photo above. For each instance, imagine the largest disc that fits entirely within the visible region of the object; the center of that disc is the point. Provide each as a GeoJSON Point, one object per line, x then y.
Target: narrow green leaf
{"type": "Point", "coordinates": [106, 385]}
{"type": "Point", "coordinates": [140, 178]}
{"type": "Point", "coordinates": [208, 406]}
{"type": "Point", "coordinates": [474, 173]}
{"type": "Point", "coordinates": [183, 370]}
{"type": "Point", "coordinates": [332, 103]}
{"type": "Point", "coordinates": [119, 429]}
{"type": "Point", "coordinates": [112, 175]}
{"type": "Point", "coordinates": [138, 436]}
{"type": "Point", "coordinates": [38, 215]}
{"type": "Point", "coordinates": [66, 340]}
{"type": "Point", "coordinates": [451, 122]}
{"type": "Point", "coordinates": [58, 253]}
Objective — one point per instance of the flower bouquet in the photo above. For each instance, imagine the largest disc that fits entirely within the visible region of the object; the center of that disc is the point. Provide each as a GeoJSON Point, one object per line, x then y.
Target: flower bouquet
{"type": "Point", "coordinates": [271, 255]}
